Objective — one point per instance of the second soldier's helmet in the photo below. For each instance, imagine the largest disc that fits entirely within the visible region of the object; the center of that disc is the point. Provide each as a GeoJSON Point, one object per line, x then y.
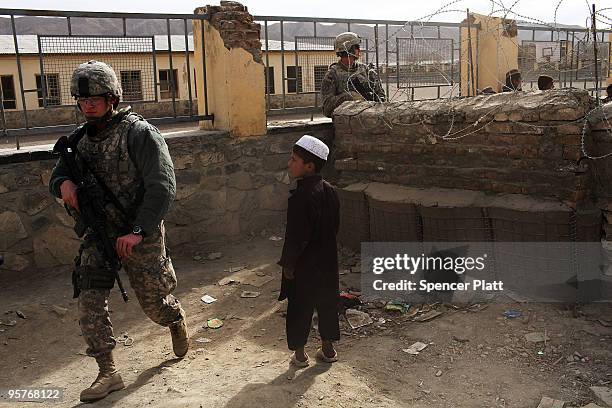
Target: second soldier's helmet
{"type": "Point", "coordinates": [345, 41]}
{"type": "Point", "coordinates": [94, 78]}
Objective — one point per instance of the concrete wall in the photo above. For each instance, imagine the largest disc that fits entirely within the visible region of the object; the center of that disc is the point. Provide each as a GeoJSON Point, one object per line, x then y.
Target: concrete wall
{"type": "Point", "coordinates": [226, 186]}
{"type": "Point", "coordinates": [234, 70]}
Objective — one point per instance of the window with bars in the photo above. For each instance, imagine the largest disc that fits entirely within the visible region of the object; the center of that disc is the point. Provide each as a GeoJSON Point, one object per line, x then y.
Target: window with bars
{"type": "Point", "coordinates": [131, 83]}
{"type": "Point", "coordinates": [319, 74]}
{"type": "Point", "coordinates": [166, 83]}
{"type": "Point", "coordinates": [7, 86]}
{"type": "Point", "coordinates": [294, 79]}
{"type": "Point", "coordinates": [270, 80]}
{"type": "Point", "coordinates": [52, 88]}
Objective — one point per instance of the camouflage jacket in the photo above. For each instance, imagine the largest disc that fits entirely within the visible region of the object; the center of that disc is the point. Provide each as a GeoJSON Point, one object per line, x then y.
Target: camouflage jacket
{"type": "Point", "coordinates": [131, 157]}
{"type": "Point", "coordinates": [342, 84]}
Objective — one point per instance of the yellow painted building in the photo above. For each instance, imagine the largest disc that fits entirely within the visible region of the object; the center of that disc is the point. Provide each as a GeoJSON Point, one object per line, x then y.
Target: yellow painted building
{"type": "Point", "coordinates": [134, 65]}
{"type": "Point", "coordinates": [135, 68]}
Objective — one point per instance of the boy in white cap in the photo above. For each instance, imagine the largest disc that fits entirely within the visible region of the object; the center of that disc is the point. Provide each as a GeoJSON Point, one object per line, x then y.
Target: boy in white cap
{"type": "Point", "coordinates": [309, 258]}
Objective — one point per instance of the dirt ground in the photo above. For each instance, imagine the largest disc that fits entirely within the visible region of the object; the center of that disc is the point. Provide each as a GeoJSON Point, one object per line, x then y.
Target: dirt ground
{"type": "Point", "coordinates": [475, 356]}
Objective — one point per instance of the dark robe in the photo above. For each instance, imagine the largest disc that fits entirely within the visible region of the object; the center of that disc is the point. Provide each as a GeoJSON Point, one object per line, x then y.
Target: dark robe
{"type": "Point", "coordinates": [310, 251]}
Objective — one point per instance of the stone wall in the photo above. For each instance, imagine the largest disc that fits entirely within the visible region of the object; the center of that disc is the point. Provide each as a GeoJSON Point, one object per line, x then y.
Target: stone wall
{"type": "Point", "coordinates": [521, 143]}
{"type": "Point", "coordinates": [68, 115]}
{"type": "Point", "coordinates": [226, 186]}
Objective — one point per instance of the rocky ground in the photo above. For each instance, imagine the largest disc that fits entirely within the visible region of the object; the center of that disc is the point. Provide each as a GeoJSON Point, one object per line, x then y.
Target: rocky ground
{"type": "Point", "coordinates": [474, 356]}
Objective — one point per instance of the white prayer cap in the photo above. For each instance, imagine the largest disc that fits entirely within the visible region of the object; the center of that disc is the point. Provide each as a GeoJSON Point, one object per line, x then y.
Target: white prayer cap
{"type": "Point", "coordinates": [314, 146]}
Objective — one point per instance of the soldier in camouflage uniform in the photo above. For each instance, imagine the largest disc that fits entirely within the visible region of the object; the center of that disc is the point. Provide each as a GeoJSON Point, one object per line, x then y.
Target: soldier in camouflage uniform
{"type": "Point", "coordinates": [349, 79]}
{"type": "Point", "coordinates": [131, 158]}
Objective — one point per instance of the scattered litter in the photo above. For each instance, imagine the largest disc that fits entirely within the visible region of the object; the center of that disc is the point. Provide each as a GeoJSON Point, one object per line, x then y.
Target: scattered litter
{"type": "Point", "coordinates": [208, 299]}
{"type": "Point", "coordinates": [20, 314]}
{"type": "Point", "coordinates": [125, 339]}
{"type": "Point", "coordinates": [226, 281]}
{"type": "Point", "coordinates": [9, 323]}
{"type": "Point", "coordinates": [439, 373]}
{"type": "Point", "coordinates": [415, 348]}
{"type": "Point", "coordinates": [275, 238]}
{"type": "Point", "coordinates": [349, 300]}
{"type": "Point", "coordinates": [397, 306]}
{"type": "Point", "coordinates": [203, 340]}
{"type": "Point", "coordinates": [557, 361]}
{"type": "Point", "coordinates": [536, 337]}
{"type": "Point", "coordinates": [197, 258]}
{"type": "Point", "coordinates": [460, 339]}
{"type": "Point", "coordinates": [540, 353]}
{"type": "Point", "coordinates": [59, 311]}
{"type": "Point", "coordinates": [235, 269]}
{"type": "Point", "coordinates": [605, 323]}
{"type": "Point", "coordinates": [432, 314]}
{"type": "Point", "coordinates": [249, 294]}
{"type": "Point", "coordinates": [512, 314]}
{"type": "Point", "coordinates": [214, 323]}
{"type": "Point", "coordinates": [357, 318]}
{"type": "Point", "coordinates": [477, 307]}
{"type": "Point", "coordinates": [254, 277]}
{"type": "Point", "coordinates": [547, 402]}
{"type": "Point", "coordinates": [214, 255]}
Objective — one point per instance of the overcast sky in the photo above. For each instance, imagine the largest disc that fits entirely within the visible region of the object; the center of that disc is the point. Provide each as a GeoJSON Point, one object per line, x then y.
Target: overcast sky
{"type": "Point", "coordinates": [569, 11]}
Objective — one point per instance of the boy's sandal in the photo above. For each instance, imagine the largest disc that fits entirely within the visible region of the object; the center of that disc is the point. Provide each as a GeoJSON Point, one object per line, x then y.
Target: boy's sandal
{"type": "Point", "coordinates": [321, 356]}
{"type": "Point", "coordinates": [298, 363]}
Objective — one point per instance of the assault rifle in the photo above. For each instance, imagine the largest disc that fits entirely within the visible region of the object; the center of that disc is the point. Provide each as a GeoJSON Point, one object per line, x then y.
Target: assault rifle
{"type": "Point", "coordinates": [91, 195]}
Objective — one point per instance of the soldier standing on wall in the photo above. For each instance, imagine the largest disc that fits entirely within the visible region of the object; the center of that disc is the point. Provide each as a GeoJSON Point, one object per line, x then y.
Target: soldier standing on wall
{"type": "Point", "coordinates": [349, 79]}
{"type": "Point", "coordinates": [130, 159]}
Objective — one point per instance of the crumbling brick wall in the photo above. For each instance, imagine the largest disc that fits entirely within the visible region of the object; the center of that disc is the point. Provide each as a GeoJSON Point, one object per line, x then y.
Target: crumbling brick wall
{"type": "Point", "coordinates": [520, 143]}
{"type": "Point", "coordinates": [236, 26]}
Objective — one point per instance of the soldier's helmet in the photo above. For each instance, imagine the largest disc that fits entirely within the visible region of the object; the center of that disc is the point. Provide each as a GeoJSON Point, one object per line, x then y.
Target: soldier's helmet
{"type": "Point", "coordinates": [345, 41]}
{"type": "Point", "coordinates": [94, 78]}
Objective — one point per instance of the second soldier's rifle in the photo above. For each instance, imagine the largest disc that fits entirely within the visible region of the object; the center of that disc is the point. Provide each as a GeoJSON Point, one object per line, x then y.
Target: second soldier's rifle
{"type": "Point", "coordinates": [368, 94]}
{"type": "Point", "coordinates": [91, 195]}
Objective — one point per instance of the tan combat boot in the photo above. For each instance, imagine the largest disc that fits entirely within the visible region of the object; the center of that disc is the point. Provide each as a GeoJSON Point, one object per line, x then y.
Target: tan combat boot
{"type": "Point", "coordinates": [180, 338]}
{"type": "Point", "coordinates": [108, 380]}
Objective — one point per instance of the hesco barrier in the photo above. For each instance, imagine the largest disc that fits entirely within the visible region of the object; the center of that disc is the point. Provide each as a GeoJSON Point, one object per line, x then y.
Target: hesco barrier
{"type": "Point", "coordinates": [354, 217]}
{"type": "Point", "coordinates": [393, 222]}
{"type": "Point", "coordinates": [378, 212]}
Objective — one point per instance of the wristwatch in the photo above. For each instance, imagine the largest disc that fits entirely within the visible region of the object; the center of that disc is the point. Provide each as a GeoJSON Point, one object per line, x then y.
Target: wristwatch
{"type": "Point", "coordinates": [137, 230]}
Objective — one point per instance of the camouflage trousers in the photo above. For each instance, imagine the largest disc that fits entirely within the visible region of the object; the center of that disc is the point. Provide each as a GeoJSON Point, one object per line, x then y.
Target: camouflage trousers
{"type": "Point", "coordinates": [152, 278]}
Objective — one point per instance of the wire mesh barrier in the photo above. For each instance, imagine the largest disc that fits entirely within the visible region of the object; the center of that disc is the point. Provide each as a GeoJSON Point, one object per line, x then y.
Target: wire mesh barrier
{"type": "Point", "coordinates": [426, 61]}
{"type": "Point", "coordinates": [132, 58]}
{"type": "Point", "coordinates": [298, 51]}
{"type": "Point", "coordinates": [566, 56]}
{"type": "Point", "coordinates": [314, 55]}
